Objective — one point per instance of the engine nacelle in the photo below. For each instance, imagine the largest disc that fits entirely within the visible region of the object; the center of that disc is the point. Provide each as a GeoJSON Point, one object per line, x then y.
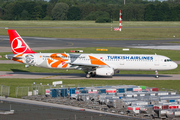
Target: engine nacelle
{"type": "Point", "coordinates": [105, 71]}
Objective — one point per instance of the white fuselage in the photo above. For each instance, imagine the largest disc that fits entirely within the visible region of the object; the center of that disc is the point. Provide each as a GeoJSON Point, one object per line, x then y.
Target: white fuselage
{"type": "Point", "coordinates": [115, 61]}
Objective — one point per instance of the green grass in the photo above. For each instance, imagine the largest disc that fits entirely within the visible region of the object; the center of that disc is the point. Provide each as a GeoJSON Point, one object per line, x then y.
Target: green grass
{"type": "Point", "coordinates": [168, 84]}
{"type": "Point", "coordinates": [173, 54]}
{"type": "Point", "coordinates": [36, 23]}
{"type": "Point", "coordinates": [21, 68]}
{"type": "Point", "coordinates": [100, 33]}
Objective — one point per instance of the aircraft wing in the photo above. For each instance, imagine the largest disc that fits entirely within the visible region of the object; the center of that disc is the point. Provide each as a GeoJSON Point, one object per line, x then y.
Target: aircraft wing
{"type": "Point", "coordinates": [85, 65]}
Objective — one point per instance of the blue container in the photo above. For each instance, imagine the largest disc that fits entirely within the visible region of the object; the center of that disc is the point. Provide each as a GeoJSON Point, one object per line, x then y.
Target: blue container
{"type": "Point", "coordinates": [102, 90]}
{"type": "Point", "coordinates": [64, 92]}
{"type": "Point", "coordinates": [72, 91]}
{"type": "Point", "coordinates": [81, 88]}
{"type": "Point", "coordinates": [129, 89]}
{"type": "Point", "coordinates": [171, 100]}
{"type": "Point", "coordinates": [99, 87]}
{"type": "Point", "coordinates": [55, 92]}
{"type": "Point", "coordinates": [121, 90]}
{"type": "Point", "coordinates": [84, 91]}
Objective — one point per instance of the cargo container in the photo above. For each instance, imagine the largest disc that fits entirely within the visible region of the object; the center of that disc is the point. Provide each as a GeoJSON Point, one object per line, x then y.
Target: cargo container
{"type": "Point", "coordinates": [173, 113]}
{"type": "Point", "coordinates": [175, 106]}
{"type": "Point", "coordinates": [72, 91]}
{"type": "Point", "coordinates": [48, 91]}
{"type": "Point", "coordinates": [110, 91]}
{"type": "Point", "coordinates": [102, 91]}
{"type": "Point", "coordinates": [84, 91]}
{"type": "Point", "coordinates": [63, 92]}
{"type": "Point", "coordinates": [155, 89]}
{"type": "Point", "coordinates": [121, 90]}
{"type": "Point", "coordinates": [129, 89]}
{"type": "Point", "coordinates": [143, 87]}
{"type": "Point", "coordinates": [93, 91]}
{"type": "Point", "coordinates": [135, 109]}
{"type": "Point", "coordinates": [137, 89]}
{"type": "Point", "coordinates": [77, 91]}
{"type": "Point", "coordinates": [161, 107]}
{"type": "Point", "coordinates": [55, 92]}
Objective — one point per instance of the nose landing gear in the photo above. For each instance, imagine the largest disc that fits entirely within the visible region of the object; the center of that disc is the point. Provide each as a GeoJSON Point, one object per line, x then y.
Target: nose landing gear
{"type": "Point", "coordinates": [157, 76]}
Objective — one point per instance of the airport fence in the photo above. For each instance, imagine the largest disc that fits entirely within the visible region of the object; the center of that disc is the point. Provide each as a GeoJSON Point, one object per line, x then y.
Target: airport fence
{"type": "Point", "coordinates": [33, 90]}
{"type": "Point", "coordinates": [39, 89]}
{"type": "Point", "coordinates": [22, 91]}
{"type": "Point", "coordinates": [5, 90]}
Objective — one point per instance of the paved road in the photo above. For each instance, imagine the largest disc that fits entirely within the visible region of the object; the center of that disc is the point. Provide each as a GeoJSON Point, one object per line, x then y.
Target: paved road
{"type": "Point", "coordinates": [35, 110]}
{"type": "Point", "coordinates": [77, 76]}
{"type": "Point", "coordinates": [38, 43]}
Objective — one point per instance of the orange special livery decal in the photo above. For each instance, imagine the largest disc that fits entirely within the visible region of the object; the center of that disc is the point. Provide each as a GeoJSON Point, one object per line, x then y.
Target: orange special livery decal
{"type": "Point", "coordinates": [15, 59]}
{"type": "Point", "coordinates": [95, 61]}
{"type": "Point", "coordinates": [56, 60]}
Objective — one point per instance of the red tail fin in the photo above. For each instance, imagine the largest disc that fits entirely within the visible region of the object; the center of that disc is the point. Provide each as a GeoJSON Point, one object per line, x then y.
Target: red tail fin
{"type": "Point", "coordinates": [18, 45]}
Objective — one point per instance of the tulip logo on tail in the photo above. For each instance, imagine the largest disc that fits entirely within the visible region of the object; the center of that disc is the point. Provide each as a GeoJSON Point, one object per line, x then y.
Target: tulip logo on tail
{"type": "Point", "coordinates": [18, 46]}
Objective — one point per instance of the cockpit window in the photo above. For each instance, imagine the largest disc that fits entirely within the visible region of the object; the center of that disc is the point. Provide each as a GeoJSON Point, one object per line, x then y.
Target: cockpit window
{"type": "Point", "coordinates": [167, 60]}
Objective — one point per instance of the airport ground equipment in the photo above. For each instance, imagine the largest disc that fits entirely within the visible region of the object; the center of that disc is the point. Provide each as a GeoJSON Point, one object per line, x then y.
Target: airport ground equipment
{"type": "Point", "coordinates": [130, 100]}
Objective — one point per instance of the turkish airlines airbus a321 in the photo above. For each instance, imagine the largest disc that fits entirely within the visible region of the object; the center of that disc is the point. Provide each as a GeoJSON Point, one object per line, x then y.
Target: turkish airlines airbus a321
{"type": "Point", "coordinates": [94, 64]}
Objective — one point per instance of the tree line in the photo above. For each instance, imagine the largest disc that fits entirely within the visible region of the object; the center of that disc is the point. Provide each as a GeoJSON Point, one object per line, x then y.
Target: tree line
{"type": "Point", "coordinates": [99, 10]}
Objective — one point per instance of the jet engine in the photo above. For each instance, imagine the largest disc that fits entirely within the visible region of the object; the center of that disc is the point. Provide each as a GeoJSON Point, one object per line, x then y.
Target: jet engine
{"type": "Point", "coordinates": [105, 71]}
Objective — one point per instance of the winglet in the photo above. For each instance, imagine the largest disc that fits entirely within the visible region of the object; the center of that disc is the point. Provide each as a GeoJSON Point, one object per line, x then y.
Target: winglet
{"type": "Point", "coordinates": [18, 45]}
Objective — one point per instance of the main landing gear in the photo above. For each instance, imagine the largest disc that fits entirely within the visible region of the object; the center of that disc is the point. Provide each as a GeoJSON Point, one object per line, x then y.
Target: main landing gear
{"type": "Point", "coordinates": [90, 74]}
{"type": "Point", "coordinates": [157, 76]}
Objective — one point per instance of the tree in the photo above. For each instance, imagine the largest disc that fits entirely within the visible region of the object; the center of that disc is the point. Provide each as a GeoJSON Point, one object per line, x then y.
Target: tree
{"type": "Point", "coordinates": [149, 12]}
{"type": "Point", "coordinates": [95, 15]}
{"type": "Point", "coordinates": [59, 12]}
{"type": "Point", "coordinates": [16, 10]}
{"type": "Point", "coordinates": [74, 13]}
{"type": "Point", "coordinates": [103, 19]}
{"type": "Point", "coordinates": [38, 12]}
{"type": "Point", "coordinates": [25, 15]}
{"type": "Point", "coordinates": [8, 12]}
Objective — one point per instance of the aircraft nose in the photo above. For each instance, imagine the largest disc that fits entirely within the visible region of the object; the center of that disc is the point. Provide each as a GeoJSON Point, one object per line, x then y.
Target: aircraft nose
{"type": "Point", "coordinates": [175, 65]}
{"type": "Point", "coordinates": [6, 56]}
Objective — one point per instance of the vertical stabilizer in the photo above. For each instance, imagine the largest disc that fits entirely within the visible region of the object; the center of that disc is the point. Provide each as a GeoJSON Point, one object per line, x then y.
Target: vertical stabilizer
{"type": "Point", "coordinates": [18, 45]}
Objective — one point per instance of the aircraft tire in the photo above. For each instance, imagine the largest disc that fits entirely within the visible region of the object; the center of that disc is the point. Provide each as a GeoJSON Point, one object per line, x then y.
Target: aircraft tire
{"type": "Point", "coordinates": [88, 75]}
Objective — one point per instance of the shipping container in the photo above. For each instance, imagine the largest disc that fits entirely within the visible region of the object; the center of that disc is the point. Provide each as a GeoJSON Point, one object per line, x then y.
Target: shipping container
{"type": "Point", "coordinates": [48, 92]}
{"type": "Point", "coordinates": [55, 92]}
{"type": "Point", "coordinates": [110, 91]}
{"type": "Point", "coordinates": [63, 92]}
{"type": "Point", "coordinates": [121, 90]}
{"type": "Point", "coordinates": [72, 91]}
{"type": "Point", "coordinates": [135, 109]}
{"type": "Point", "coordinates": [102, 91]}
{"type": "Point", "coordinates": [143, 87]}
{"type": "Point", "coordinates": [155, 89]}
{"type": "Point", "coordinates": [137, 89]}
{"type": "Point", "coordinates": [129, 89]}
